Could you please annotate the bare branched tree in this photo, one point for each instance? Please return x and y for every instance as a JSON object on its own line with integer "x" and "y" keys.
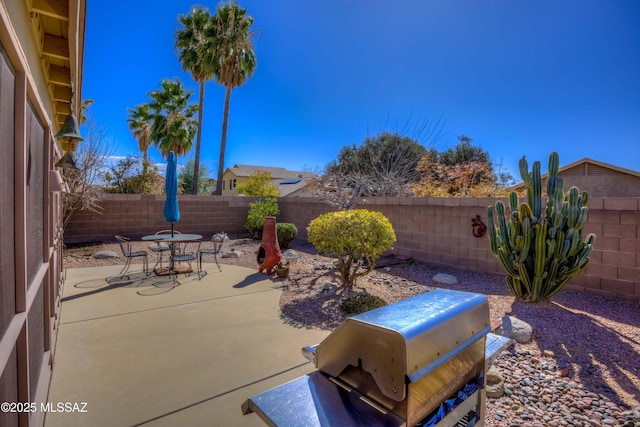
{"x": 85, "y": 184}
{"x": 384, "y": 165}
{"x": 424, "y": 130}
{"x": 342, "y": 190}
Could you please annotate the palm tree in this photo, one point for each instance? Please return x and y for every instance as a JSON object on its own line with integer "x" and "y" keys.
{"x": 236, "y": 61}
{"x": 140, "y": 121}
{"x": 195, "y": 43}
{"x": 173, "y": 126}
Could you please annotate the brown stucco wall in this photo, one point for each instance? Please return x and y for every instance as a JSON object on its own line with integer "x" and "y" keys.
{"x": 437, "y": 230}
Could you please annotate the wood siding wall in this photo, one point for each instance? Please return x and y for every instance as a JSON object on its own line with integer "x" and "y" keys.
{"x": 30, "y": 226}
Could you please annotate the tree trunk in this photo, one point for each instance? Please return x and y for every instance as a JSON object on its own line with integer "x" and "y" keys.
{"x": 196, "y": 162}
{"x": 223, "y": 139}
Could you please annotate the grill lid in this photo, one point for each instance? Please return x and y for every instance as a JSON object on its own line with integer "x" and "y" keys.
{"x": 405, "y": 341}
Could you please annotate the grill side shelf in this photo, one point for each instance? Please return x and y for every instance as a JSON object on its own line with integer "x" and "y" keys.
{"x": 494, "y": 346}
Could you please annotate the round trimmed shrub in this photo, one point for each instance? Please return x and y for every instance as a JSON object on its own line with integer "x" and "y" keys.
{"x": 358, "y": 304}
{"x": 286, "y": 233}
{"x": 258, "y": 211}
{"x": 356, "y": 238}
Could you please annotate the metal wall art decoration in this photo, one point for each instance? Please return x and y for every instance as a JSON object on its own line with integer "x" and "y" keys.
{"x": 478, "y": 226}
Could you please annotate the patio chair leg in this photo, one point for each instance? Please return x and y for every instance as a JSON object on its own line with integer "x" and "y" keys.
{"x": 126, "y": 267}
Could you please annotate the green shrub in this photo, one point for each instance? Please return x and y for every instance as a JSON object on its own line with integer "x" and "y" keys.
{"x": 258, "y": 211}
{"x": 286, "y": 233}
{"x": 356, "y": 237}
{"x": 361, "y": 303}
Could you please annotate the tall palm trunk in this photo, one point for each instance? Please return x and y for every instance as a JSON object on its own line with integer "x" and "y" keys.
{"x": 223, "y": 139}
{"x": 196, "y": 162}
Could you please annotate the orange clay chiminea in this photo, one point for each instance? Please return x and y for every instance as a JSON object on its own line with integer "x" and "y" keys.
{"x": 269, "y": 251}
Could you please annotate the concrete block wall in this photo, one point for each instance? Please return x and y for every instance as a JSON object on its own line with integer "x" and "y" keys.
{"x": 137, "y": 215}
{"x": 436, "y": 230}
{"x": 614, "y": 268}
{"x": 439, "y": 230}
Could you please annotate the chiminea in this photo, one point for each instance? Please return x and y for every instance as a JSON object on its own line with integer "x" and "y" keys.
{"x": 269, "y": 251}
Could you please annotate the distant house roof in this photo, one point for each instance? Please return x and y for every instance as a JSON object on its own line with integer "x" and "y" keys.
{"x": 586, "y": 161}
{"x": 276, "y": 173}
{"x": 599, "y": 178}
{"x": 285, "y": 180}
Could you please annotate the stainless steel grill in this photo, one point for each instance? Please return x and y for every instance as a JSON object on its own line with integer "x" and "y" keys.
{"x": 392, "y": 366}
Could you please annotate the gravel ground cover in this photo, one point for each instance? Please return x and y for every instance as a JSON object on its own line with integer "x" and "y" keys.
{"x": 582, "y": 367}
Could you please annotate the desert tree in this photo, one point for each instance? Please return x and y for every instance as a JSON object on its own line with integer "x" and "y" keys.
{"x": 259, "y": 184}
{"x": 462, "y": 171}
{"x": 383, "y": 165}
{"x": 84, "y": 185}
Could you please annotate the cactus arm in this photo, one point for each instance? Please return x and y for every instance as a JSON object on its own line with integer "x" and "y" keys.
{"x": 523, "y": 165}
{"x": 536, "y": 196}
{"x": 526, "y": 240}
{"x": 524, "y": 278}
{"x": 513, "y": 285}
{"x": 540, "y": 248}
{"x": 502, "y": 224}
{"x": 554, "y": 163}
{"x": 507, "y": 263}
{"x": 513, "y": 201}
{"x": 492, "y": 231}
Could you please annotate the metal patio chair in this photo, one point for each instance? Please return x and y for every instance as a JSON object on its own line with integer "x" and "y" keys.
{"x": 216, "y": 246}
{"x": 160, "y": 247}
{"x": 125, "y": 246}
{"x": 183, "y": 252}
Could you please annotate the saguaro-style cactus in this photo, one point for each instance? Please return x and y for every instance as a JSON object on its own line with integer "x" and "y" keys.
{"x": 541, "y": 250}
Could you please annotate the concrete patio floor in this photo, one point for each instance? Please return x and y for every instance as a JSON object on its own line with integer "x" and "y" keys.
{"x": 142, "y": 352}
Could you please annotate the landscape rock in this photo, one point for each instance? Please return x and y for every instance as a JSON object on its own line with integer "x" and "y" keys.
{"x": 517, "y": 329}
{"x": 105, "y": 255}
{"x": 158, "y": 246}
{"x": 232, "y": 254}
{"x": 445, "y": 279}
{"x": 328, "y": 288}
{"x": 290, "y": 254}
{"x": 495, "y": 383}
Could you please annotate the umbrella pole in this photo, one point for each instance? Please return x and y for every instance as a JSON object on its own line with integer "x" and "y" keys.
{"x": 171, "y": 229}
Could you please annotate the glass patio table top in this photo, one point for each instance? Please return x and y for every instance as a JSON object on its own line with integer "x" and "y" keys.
{"x": 169, "y": 238}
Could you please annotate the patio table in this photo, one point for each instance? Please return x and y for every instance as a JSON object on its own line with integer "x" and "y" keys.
{"x": 174, "y": 242}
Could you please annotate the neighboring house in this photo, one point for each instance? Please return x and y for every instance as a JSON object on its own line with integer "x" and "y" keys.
{"x": 598, "y": 179}
{"x": 41, "y": 57}
{"x": 286, "y": 181}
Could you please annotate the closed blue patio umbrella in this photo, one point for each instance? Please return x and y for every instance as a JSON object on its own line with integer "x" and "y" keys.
{"x": 171, "y": 208}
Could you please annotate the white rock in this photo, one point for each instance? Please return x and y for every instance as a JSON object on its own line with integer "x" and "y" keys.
{"x": 517, "y": 329}
{"x": 447, "y": 279}
{"x": 232, "y": 254}
{"x": 105, "y": 255}
{"x": 159, "y": 247}
{"x": 290, "y": 254}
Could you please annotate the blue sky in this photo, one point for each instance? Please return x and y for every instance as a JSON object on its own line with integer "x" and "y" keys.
{"x": 519, "y": 77}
